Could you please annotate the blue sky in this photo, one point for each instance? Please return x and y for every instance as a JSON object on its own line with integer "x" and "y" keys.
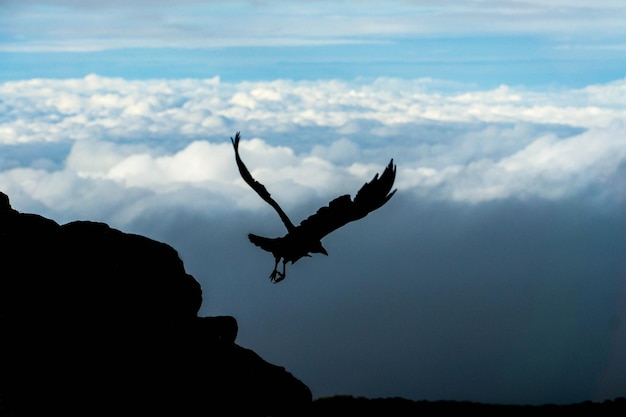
{"x": 496, "y": 273}
{"x": 513, "y": 42}
{"x": 483, "y": 60}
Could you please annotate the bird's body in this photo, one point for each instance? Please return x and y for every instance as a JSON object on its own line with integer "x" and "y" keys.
{"x": 304, "y": 239}
{"x": 290, "y": 247}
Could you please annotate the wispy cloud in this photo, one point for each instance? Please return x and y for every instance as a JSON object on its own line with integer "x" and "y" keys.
{"x": 84, "y": 26}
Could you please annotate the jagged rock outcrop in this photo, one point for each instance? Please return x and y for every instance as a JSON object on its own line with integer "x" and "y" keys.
{"x": 95, "y": 321}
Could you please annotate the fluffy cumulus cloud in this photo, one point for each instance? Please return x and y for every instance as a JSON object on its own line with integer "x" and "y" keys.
{"x": 310, "y": 139}
{"x": 495, "y": 271}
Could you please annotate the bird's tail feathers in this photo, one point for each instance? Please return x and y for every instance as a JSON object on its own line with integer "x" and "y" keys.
{"x": 262, "y": 242}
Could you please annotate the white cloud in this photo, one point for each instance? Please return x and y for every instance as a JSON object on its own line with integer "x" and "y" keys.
{"x": 548, "y": 167}
{"x": 93, "y": 107}
{"x": 88, "y": 26}
{"x": 308, "y": 140}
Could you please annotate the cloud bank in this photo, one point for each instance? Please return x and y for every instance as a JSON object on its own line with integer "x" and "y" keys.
{"x": 310, "y": 139}
{"x": 495, "y": 274}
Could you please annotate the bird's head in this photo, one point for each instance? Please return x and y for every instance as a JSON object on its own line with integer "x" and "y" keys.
{"x": 318, "y": 248}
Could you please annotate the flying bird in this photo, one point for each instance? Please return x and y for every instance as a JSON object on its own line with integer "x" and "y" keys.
{"x": 304, "y": 239}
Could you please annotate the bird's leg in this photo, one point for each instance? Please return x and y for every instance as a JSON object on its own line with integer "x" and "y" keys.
{"x": 278, "y": 276}
{"x": 281, "y": 276}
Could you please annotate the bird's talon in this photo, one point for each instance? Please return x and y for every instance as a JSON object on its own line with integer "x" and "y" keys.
{"x": 277, "y": 277}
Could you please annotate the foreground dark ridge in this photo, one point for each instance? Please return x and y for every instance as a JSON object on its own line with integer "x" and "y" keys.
{"x": 94, "y": 321}
{"x": 345, "y": 405}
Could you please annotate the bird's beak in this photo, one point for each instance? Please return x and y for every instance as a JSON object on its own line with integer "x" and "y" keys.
{"x": 322, "y": 250}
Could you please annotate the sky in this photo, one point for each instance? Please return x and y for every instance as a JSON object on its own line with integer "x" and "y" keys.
{"x": 496, "y": 273}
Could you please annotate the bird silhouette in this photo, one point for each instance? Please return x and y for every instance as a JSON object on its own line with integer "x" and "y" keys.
{"x": 304, "y": 239}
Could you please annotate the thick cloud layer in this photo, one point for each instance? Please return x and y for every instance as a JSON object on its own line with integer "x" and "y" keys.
{"x": 496, "y": 273}
{"x": 309, "y": 138}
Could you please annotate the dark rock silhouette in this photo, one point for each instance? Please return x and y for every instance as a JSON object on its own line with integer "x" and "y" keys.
{"x": 95, "y": 321}
{"x": 347, "y": 405}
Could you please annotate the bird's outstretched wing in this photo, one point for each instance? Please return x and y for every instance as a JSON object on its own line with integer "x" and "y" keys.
{"x": 343, "y": 209}
{"x": 257, "y": 186}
